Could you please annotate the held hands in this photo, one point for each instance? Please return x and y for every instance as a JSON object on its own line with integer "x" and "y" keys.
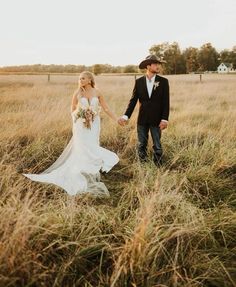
{"x": 122, "y": 122}
{"x": 163, "y": 125}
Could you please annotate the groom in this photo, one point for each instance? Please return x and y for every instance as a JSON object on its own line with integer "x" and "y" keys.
{"x": 152, "y": 92}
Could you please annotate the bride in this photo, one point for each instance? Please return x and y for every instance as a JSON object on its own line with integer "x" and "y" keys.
{"x": 77, "y": 168}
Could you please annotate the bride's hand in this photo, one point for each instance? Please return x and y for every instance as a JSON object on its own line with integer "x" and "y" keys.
{"x": 122, "y": 122}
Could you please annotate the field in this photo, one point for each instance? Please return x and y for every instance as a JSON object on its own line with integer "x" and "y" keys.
{"x": 172, "y": 226}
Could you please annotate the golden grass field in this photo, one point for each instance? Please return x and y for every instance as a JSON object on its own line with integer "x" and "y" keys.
{"x": 173, "y": 226}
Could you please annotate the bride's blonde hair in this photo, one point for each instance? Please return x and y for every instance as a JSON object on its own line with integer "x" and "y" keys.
{"x": 90, "y": 76}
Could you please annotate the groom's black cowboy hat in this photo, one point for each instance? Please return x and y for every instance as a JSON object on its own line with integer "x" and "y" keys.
{"x": 151, "y": 59}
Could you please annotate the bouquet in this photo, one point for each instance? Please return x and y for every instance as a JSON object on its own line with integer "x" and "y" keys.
{"x": 87, "y": 115}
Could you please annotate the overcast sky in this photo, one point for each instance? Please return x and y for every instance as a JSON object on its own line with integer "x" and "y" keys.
{"x": 107, "y": 31}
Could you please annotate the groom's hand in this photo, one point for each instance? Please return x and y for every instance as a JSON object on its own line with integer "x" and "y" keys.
{"x": 163, "y": 125}
{"x": 122, "y": 122}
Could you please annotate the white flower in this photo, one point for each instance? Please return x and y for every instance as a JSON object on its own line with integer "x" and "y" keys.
{"x": 156, "y": 84}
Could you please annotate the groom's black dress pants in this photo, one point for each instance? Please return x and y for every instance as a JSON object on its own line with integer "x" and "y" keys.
{"x": 143, "y": 131}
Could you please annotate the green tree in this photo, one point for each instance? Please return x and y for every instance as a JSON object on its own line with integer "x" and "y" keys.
{"x": 228, "y": 56}
{"x": 97, "y": 69}
{"x": 130, "y": 69}
{"x": 233, "y": 56}
{"x": 159, "y": 50}
{"x": 191, "y": 59}
{"x": 171, "y": 53}
{"x": 208, "y": 58}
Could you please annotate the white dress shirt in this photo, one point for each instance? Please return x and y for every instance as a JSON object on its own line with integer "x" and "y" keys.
{"x": 150, "y": 83}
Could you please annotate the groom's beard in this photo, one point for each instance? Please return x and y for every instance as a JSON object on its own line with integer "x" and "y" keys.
{"x": 155, "y": 71}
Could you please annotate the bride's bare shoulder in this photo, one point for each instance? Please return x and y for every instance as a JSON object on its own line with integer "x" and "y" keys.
{"x": 77, "y": 92}
{"x": 98, "y": 93}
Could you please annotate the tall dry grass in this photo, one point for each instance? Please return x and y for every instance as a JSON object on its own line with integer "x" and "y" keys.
{"x": 173, "y": 226}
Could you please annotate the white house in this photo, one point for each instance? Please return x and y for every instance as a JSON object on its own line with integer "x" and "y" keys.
{"x": 225, "y": 68}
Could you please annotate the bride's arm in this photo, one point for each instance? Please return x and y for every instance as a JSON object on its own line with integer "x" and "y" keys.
{"x": 74, "y": 101}
{"x": 105, "y": 107}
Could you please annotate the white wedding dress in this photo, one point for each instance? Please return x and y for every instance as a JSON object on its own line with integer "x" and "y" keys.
{"x": 77, "y": 168}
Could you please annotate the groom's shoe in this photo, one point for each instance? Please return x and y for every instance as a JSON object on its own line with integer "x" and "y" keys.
{"x": 158, "y": 161}
{"x": 143, "y": 160}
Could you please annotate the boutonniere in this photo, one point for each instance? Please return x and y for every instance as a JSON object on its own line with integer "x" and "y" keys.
{"x": 155, "y": 85}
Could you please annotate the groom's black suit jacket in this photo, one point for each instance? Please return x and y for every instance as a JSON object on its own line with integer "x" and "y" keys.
{"x": 154, "y": 109}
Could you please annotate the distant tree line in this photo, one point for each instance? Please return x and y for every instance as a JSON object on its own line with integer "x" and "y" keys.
{"x": 97, "y": 69}
{"x": 190, "y": 60}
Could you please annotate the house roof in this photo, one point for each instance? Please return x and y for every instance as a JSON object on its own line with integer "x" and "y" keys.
{"x": 228, "y": 65}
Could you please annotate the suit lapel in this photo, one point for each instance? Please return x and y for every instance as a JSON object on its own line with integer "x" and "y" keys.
{"x": 154, "y": 89}
{"x": 145, "y": 86}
